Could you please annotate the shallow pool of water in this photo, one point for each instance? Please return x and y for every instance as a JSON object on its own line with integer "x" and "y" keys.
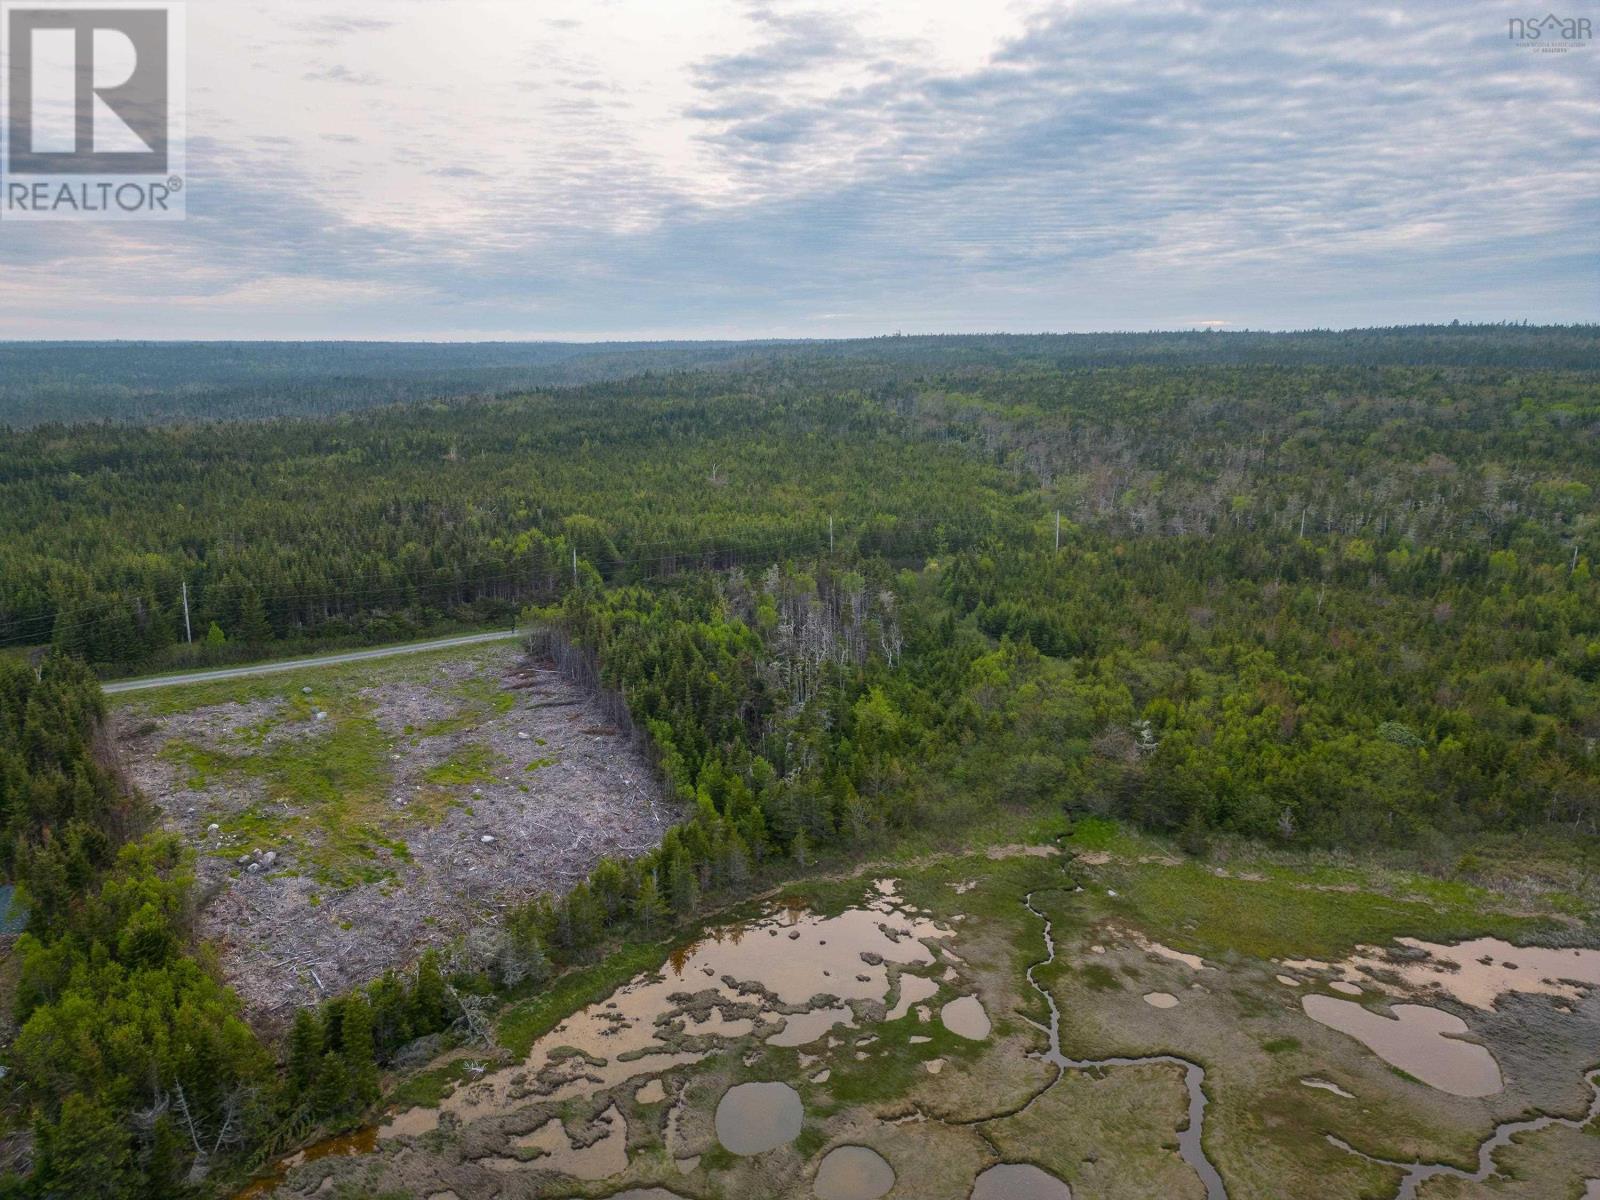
{"x": 964, "y": 1017}
{"x": 753, "y": 1118}
{"x": 414, "y": 1122}
{"x": 600, "y": 1159}
{"x": 1481, "y": 971}
{"x": 914, "y": 989}
{"x": 794, "y": 954}
{"x": 1018, "y": 1181}
{"x": 801, "y": 1029}
{"x": 853, "y": 1173}
{"x": 1424, "y": 1042}
{"x": 362, "y": 1141}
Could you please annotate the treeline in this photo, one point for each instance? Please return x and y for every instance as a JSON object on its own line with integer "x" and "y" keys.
{"x": 379, "y": 528}
{"x": 386, "y": 525}
{"x": 758, "y": 692}
{"x": 62, "y": 807}
{"x": 144, "y": 383}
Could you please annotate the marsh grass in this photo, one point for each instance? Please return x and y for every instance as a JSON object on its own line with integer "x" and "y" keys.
{"x": 1268, "y": 908}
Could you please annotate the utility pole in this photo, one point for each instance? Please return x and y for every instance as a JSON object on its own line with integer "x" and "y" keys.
{"x": 188, "y": 634}
{"x": 1058, "y": 531}
{"x": 830, "y": 535}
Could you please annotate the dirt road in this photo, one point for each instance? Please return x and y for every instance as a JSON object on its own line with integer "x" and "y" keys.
{"x": 295, "y": 664}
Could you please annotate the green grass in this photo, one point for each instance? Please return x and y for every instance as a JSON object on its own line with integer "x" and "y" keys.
{"x": 893, "y": 1065}
{"x": 715, "y": 1158}
{"x": 472, "y": 763}
{"x": 810, "y": 1141}
{"x": 1100, "y": 977}
{"x": 428, "y": 1088}
{"x": 482, "y": 698}
{"x": 1294, "y": 914}
{"x": 1101, "y": 834}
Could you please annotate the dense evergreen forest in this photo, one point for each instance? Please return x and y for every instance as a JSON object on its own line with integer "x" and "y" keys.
{"x": 1344, "y": 596}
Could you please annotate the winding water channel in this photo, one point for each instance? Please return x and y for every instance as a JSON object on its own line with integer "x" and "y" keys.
{"x": 1416, "y": 1174}
{"x": 1190, "y": 1146}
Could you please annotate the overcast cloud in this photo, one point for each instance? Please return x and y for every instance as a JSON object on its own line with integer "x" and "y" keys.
{"x": 423, "y": 168}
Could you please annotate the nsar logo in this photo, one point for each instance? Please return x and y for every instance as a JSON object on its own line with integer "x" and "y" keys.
{"x": 1550, "y": 34}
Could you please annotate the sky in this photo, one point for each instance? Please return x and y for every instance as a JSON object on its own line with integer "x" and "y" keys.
{"x": 596, "y": 169}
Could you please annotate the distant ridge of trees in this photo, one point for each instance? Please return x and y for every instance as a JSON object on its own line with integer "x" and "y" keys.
{"x": 153, "y": 383}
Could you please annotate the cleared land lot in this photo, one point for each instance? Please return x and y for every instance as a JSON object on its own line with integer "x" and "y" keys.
{"x": 344, "y": 818}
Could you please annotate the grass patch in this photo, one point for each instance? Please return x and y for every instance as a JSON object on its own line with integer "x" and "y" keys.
{"x": 482, "y": 698}
{"x": 469, "y": 764}
{"x": 1289, "y": 914}
{"x": 1100, "y": 977}
{"x": 893, "y": 1065}
{"x": 718, "y": 1158}
{"x": 427, "y": 1089}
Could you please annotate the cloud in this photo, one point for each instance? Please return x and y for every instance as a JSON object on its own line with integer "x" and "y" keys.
{"x": 333, "y": 24}
{"x": 834, "y": 171}
{"x": 789, "y": 43}
{"x": 339, "y": 73}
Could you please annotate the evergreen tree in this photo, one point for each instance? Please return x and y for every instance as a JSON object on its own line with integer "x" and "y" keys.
{"x": 85, "y": 1152}
{"x": 306, "y": 1045}
{"x": 358, "y": 1052}
{"x": 430, "y": 1002}
{"x": 648, "y": 909}
{"x": 253, "y": 630}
